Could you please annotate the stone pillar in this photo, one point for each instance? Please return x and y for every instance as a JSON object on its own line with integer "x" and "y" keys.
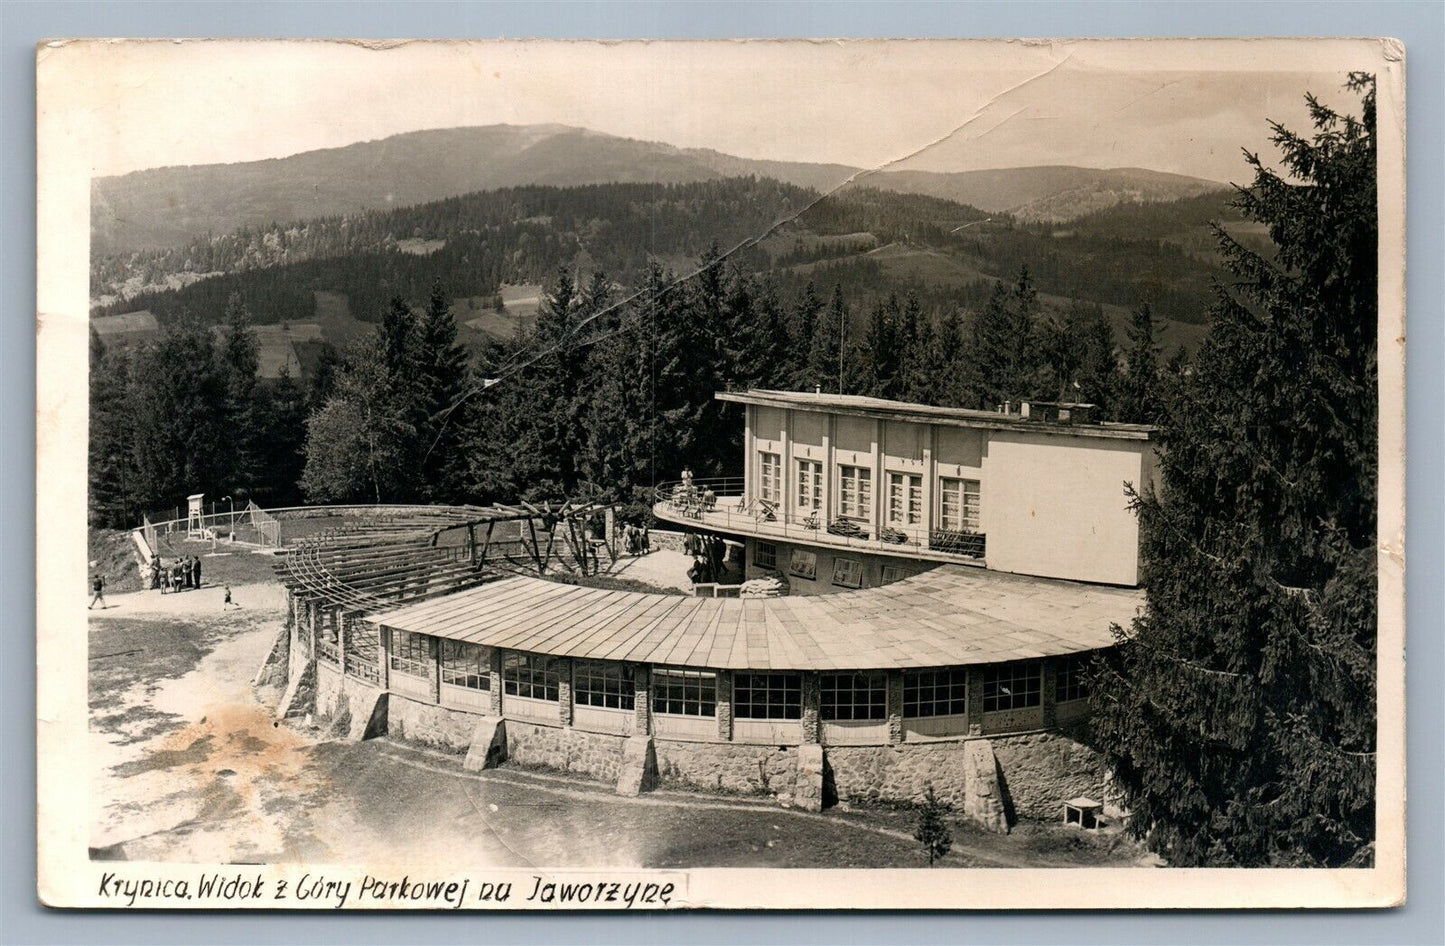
{"x": 641, "y": 700}
{"x": 812, "y": 700}
{"x": 383, "y": 656}
{"x": 894, "y": 704}
{"x": 725, "y": 705}
{"x": 1049, "y": 691}
{"x": 975, "y": 701}
{"x": 434, "y": 668}
{"x": 495, "y": 680}
{"x": 564, "y": 691}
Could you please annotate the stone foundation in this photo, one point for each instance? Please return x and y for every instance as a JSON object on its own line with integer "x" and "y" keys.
{"x": 1043, "y": 770}
{"x": 727, "y": 768}
{"x": 430, "y": 725}
{"x": 597, "y": 755}
{"x": 1038, "y": 772}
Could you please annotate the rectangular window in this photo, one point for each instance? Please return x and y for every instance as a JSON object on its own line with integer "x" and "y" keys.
{"x": 905, "y": 499}
{"x": 958, "y": 504}
{"x": 1071, "y": 683}
{"x": 532, "y": 676}
{"x": 892, "y": 573}
{"x": 1012, "y": 686}
{"x": 770, "y": 478}
{"x": 935, "y": 693}
{"x": 847, "y": 573}
{"x": 803, "y": 564}
{"x": 684, "y": 692}
{"x": 810, "y": 485}
{"x": 608, "y": 685}
{"x": 854, "y": 696}
{"x": 411, "y": 654}
{"x": 768, "y": 696}
{"x": 765, "y": 555}
{"x": 855, "y": 492}
{"x": 465, "y": 665}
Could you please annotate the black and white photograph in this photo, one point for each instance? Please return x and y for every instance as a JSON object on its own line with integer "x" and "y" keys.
{"x": 650, "y": 476}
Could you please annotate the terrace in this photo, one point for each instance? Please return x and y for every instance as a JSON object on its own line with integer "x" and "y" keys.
{"x": 722, "y": 506}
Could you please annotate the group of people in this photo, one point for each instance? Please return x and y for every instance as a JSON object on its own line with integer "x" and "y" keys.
{"x": 709, "y": 557}
{"x": 184, "y": 573}
{"x": 635, "y": 539}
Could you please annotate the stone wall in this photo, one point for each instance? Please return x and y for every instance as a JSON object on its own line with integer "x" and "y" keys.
{"x": 900, "y": 773}
{"x": 338, "y": 697}
{"x": 596, "y": 755}
{"x": 1039, "y": 771}
{"x": 430, "y": 725}
{"x": 720, "y": 767}
{"x": 1042, "y": 770}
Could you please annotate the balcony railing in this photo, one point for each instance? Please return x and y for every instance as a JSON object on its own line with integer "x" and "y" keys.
{"x": 721, "y": 504}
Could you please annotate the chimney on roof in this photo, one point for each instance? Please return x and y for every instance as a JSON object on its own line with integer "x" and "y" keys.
{"x": 818, "y": 389}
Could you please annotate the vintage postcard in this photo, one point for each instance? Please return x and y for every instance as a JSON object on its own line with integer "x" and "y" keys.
{"x": 661, "y": 475}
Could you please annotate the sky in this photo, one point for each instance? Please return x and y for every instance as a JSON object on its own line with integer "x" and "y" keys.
{"x": 1170, "y": 106}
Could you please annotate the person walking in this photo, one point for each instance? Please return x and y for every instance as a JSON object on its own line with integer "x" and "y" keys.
{"x": 97, "y": 587}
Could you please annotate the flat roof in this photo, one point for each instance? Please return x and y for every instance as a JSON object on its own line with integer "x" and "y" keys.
{"x": 877, "y": 407}
{"x": 949, "y": 616}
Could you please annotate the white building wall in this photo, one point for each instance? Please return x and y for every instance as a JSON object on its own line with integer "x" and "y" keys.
{"x": 1054, "y": 506}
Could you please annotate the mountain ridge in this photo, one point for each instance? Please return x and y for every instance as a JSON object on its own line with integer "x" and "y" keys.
{"x": 168, "y": 206}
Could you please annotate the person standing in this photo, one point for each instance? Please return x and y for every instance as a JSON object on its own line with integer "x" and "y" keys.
{"x": 198, "y": 571}
{"x": 97, "y": 587}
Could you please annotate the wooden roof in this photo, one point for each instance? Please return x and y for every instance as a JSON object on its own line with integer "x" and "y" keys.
{"x": 952, "y": 615}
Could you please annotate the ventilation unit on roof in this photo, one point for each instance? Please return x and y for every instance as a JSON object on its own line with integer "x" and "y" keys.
{"x": 1057, "y": 412}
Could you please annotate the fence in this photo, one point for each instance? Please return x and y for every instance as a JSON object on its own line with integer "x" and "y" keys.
{"x": 721, "y": 504}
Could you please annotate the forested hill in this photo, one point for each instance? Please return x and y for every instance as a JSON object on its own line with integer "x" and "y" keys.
{"x": 169, "y": 207}
{"x": 870, "y": 241}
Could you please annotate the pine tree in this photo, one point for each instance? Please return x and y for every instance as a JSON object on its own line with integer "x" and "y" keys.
{"x": 932, "y": 832}
{"x": 1238, "y": 714}
{"x": 1098, "y": 375}
{"x": 177, "y": 402}
{"x": 804, "y": 335}
{"x": 239, "y": 358}
{"x": 827, "y": 362}
{"x": 110, "y": 502}
{"x": 441, "y": 419}
{"x": 1139, "y": 389}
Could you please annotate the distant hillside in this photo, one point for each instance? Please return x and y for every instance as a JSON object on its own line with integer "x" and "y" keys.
{"x": 1047, "y": 194}
{"x": 168, "y": 207}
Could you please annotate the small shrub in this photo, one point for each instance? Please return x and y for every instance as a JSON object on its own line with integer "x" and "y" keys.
{"x": 932, "y": 832}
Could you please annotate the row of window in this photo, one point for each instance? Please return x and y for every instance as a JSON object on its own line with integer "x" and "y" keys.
{"x": 958, "y": 498}
{"x": 843, "y": 696}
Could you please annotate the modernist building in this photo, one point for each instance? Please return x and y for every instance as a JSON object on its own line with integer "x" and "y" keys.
{"x": 903, "y": 657}
{"x": 844, "y": 492}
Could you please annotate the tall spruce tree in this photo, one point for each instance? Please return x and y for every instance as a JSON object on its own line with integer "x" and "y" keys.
{"x": 441, "y": 420}
{"x": 1238, "y": 713}
{"x": 1139, "y": 388}
{"x": 110, "y": 462}
{"x": 239, "y": 355}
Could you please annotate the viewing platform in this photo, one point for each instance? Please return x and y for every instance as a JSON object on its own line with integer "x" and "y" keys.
{"x": 721, "y": 505}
